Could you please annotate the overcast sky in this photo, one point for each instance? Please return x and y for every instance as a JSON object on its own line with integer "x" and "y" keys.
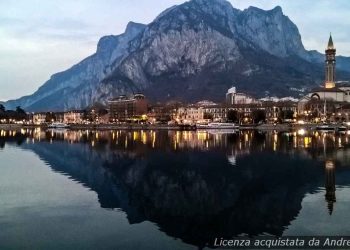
{"x": 39, "y": 37}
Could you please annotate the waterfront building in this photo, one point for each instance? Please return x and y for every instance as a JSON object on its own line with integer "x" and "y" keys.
{"x": 190, "y": 115}
{"x": 127, "y": 109}
{"x": 159, "y": 113}
{"x": 73, "y": 117}
{"x": 46, "y": 117}
{"x": 39, "y": 118}
{"x": 332, "y": 93}
{"x": 245, "y": 112}
{"x": 59, "y": 117}
{"x": 202, "y": 112}
{"x": 280, "y": 111}
{"x": 216, "y": 113}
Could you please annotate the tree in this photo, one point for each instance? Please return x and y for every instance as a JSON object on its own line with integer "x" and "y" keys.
{"x": 19, "y": 110}
{"x": 2, "y": 108}
{"x": 232, "y": 116}
{"x": 258, "y": 116}
{"x": 2, "y": 112}
{"x": 20, "y": 114}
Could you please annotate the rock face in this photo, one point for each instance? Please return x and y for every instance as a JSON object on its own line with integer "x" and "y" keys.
{"x": 189, "y": 52}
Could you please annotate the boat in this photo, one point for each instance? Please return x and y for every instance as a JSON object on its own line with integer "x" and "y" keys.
{"x": 58, "y": 125}
{"x": 325, "y": 127}
{"x": 218, "y": 125}
{"x": 342, "y": 128}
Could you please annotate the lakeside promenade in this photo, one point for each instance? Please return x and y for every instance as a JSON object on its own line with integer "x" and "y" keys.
{"x": 262, "y": 127}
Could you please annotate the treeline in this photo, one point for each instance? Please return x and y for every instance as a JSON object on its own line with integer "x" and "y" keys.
{"x": 7, "y": 116}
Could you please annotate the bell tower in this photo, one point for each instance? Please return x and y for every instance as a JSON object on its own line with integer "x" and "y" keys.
{"x": 330, "y": 64}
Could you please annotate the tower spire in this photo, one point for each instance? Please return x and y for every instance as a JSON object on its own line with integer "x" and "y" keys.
{"x": 330, "y": 42}
{"x": 330, "y": 64}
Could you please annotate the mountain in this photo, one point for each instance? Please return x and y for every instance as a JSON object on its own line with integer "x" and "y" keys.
{"x": 193, "y": 51}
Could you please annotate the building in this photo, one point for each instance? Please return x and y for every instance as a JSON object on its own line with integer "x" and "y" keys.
{"x": 331, "y": 92}
{"x": 190, "y": 115}
{"x": 280, "y": 111}
{"x": 216, "y": 113}
{"x": 232, "y": 97}
{"x": 160, "y": 114}
{"x": 124, "y": 109}
{"x": 59, "y": 116}
{"x": 39, "y": 118}
{"x": 73, "y": 117}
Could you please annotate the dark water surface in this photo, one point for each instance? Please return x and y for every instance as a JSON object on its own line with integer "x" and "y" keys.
{"x": 169, "y": 190}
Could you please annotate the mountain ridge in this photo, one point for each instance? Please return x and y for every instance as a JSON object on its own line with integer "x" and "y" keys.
{"x": 189, "y": 52}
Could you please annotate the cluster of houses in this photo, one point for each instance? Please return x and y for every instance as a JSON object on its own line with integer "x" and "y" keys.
{"x": 239, "y": 108}
{"x": 330, "y": 103}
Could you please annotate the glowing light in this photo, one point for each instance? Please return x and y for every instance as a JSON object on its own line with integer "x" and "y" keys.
{"x": 329, "y": 164}
{"x": 301, "y": 132}
{"x": 307, "y": 142}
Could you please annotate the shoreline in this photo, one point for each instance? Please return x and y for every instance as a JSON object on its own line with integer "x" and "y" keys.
{"x": 263, "y": 127}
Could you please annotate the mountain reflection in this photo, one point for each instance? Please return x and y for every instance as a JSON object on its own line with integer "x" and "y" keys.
{"x": 197, "y": 186}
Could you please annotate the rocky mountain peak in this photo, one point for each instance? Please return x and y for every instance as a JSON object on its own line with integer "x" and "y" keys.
{"x": 271, "y": 30}
{"x": 133, "y": 27}
{"x": 214, "y": 7}
{"x": 190, "y": 52}
{"x": 108, "y": 43}
{"x": 277, "y": 9}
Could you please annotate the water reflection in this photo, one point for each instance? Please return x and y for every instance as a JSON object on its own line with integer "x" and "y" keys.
{"x": 197, "y": 186}
{"x": 330, "y": 185}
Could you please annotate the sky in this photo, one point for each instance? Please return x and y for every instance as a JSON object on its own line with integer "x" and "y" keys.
{"x": 41, "y": 37}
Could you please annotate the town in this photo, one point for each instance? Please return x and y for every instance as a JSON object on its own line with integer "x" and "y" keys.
{"x": 329, "y": 104}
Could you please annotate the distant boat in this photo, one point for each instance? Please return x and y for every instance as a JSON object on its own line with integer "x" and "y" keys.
{"x": 218, "y": 125}
{"x": 58, "y": 125}
{"x": 325, "y": 127}
{"x": 342, "y": 128}
{"x": 332, "y": 127}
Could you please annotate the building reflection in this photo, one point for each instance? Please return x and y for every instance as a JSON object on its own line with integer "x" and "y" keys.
{"x": 330, "y": 185}
{"x": 184, "y": 182}
{"x": 308, "y": 143}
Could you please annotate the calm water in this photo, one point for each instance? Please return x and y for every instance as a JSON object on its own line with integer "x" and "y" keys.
{"x": 169, "y": 190}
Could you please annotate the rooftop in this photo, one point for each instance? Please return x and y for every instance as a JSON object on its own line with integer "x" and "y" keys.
{"x": 322, "y": 89}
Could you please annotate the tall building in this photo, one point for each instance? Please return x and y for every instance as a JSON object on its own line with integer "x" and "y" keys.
{"x": 233, "y": 97}
{"x": 323, "y": 100}
{"x": 124, "y": 109}
{"x": 330, "y": 64}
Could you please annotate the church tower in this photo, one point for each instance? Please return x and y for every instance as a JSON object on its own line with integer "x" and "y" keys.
{"x": 330, "y": 64}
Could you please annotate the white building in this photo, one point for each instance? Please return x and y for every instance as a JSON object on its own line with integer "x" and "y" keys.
{"x": 73, "y": 117}
{"x": 39, "y": 118}
{"x": 232, "y": 97}
{"x": 331, "y": 91}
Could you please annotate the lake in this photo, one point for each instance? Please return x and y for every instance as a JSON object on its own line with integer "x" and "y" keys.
{"x": 169, "y": 189}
